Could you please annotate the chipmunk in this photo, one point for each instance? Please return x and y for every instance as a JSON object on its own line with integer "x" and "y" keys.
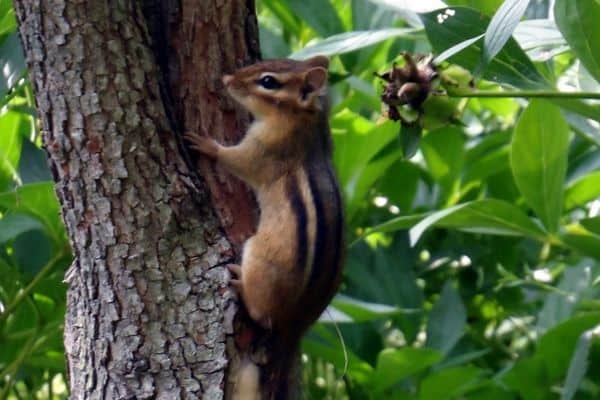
{"x": 291, "y": 268}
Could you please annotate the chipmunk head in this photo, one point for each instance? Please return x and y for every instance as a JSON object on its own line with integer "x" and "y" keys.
{"x": 280, "y": 85}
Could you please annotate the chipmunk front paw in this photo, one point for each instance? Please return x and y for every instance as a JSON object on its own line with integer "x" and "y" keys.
{"x": 204, "y": 145}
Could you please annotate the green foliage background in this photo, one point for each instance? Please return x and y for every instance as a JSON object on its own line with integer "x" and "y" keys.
{"x": 472, "y": 268}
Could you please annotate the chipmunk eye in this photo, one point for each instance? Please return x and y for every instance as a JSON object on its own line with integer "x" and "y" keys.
{"x": 269, "y": 82}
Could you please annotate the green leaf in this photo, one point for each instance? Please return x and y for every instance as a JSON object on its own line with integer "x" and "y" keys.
{"x": 447, "y": 320}
{"x": 501, "y": 27}
{"x": 486, "y": 145}
{"x": 361, "y": 311}
{"x": 272, "y": 43}
{"x": 358, "y": 144}
{"x": 36, "y": 199}
{"x": 10, "y": 147}
{"x": 583, "y": 127}
{"x": 367, "y": 15}
{"x": 12, "y": 63}
{"x": 369, "y": 175}
{"x": 591, "y": 224}
{"x": 457, "y": 48}
{"x": 397, "y": 224}
{"x": 450, "y": 26}
{"x": 580, "y": 107}
{"x": 33, "y": 166}
{"x": 8, "y": 22}
{"x": 487, "y": 7}
{"x": 351, "y": 41}
{"x": 393, "y": 365}
{"x": 284, "y": 14}
{"x": 12, "y": 225}
{"x": 559, "y": 306}
{"x": 32, "y": 250}
{"x": 528, "y": 378}
{"x": 532, "y": 376}
{"x": 540, "y": 38}
{"x": 461, "y": 358}
{"x": 443, "y": 150}
{"x": 539, "y": 160}
{"x": 583, "y": 241}
{"x": 490, "y": 216}
{"x": 579, "y": 363}
{"x": 50, "y": 360}
{"x": 578, "y": 22}
{"x": 319, "y": 14}
{"x": 410, "y": 137}
{"x": 448, "y": 383}
{"x": 582, "y": 191}
{"x": 490, "y": 390}
{"x": 411, "y": 5}
{"x": 556, "y": 347}
{"x": 387, "y": 277}
{"x": 322, "y": 344}
{"x": 399, "y": 184}
{"x": 491, "y": 164}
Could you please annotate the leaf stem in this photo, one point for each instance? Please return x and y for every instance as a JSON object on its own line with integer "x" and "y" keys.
{"x": 549, "y": 94}
{"x": 11, "y": 370}
{"x": 22, "y": 295}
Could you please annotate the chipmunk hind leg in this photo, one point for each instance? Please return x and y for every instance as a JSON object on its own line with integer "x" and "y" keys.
{"x": 247, "y": 385}
{"x": 265, "y": 285}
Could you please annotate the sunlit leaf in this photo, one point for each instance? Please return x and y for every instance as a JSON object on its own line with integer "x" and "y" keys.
{"x": 457, "y": 48}
{"x": 582, "y": 190}
{"x": 10, "y": 147}
{"x": 501, "y": 27}
{"x": 492, "y": 217}
{"x": 351, "y": 41}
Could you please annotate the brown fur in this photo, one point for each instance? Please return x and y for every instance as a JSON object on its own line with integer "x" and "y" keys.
{"x": 291, "y": 267}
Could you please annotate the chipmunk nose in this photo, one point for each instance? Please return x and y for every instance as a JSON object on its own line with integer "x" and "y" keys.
{"x": 226, "y": 79}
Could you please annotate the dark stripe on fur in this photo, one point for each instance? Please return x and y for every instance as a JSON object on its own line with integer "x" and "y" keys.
{"x": 299, "y": 210}
{"x": 325, "y": 274}
{"x": 339, "y": 228}
{"x": 321, "y": 236}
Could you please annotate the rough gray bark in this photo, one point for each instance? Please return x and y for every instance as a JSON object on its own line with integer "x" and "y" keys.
{"x": 149, "y": 310}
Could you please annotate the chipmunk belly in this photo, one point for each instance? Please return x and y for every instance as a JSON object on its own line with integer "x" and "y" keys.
{"x": 278, "y": 258}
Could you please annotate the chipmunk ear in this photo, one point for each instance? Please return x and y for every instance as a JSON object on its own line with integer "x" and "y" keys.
{"x": 318, "y": 61}
{"x": 315, "y": 79}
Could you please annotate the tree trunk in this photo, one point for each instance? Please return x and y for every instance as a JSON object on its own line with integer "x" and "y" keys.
{"x": 149, "y": 310}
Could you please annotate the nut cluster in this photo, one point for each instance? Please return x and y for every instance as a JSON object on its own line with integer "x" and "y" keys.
{"x": 409, "y": 85}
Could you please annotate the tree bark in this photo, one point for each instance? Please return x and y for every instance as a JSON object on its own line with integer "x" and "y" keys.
{"x": 149, "y": 310}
